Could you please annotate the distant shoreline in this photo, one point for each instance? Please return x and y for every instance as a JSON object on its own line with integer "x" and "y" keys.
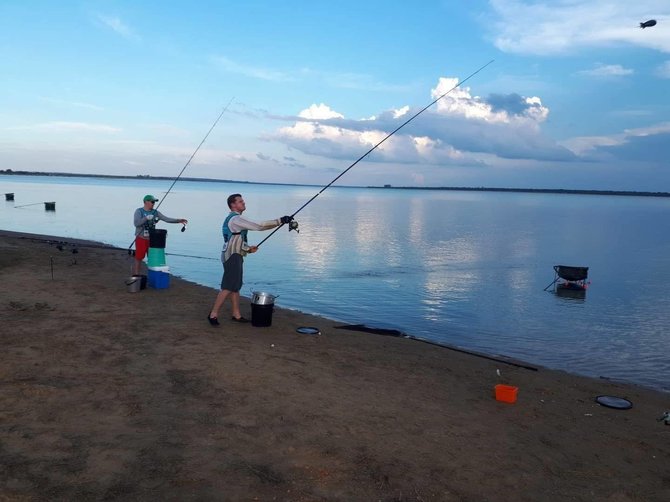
{"x": 634, "y": 193}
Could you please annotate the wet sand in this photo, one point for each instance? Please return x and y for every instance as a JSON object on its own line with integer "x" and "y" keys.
{"x": 111, "y": 395}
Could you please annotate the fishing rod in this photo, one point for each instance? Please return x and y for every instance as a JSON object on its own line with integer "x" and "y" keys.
{"x": 196, "y": 151}
{"x": 188, "y": 162}
{"x": 294, "y": 226}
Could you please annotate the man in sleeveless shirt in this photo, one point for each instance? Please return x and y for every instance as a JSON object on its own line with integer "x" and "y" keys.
{"x": 235, "y": 247}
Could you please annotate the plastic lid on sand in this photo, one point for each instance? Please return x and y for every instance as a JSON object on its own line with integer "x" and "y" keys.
{"x": 308, "y": 330}
{"x": 618, "y": 403}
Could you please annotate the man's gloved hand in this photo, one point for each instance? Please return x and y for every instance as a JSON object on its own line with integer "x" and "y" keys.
{"x": 286, "y": 219}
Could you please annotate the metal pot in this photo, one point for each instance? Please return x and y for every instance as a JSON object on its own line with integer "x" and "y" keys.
{"x": 262, "y": 298}
{"x": 134, "y": 284}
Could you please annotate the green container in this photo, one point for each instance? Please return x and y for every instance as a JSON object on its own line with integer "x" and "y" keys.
{"x": 156, "y": 257}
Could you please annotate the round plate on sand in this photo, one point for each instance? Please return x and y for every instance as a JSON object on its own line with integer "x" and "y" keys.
{"x": 618, "y": 403}
{"x": 308, "y": 330}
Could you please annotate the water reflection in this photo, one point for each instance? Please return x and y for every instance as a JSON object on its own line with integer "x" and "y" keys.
{"x": 314, "y": 254}
{"x": 572, "y": 294}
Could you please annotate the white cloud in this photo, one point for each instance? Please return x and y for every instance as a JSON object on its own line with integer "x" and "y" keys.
{"x": 65, "y": 127}
{"x": 593, "y": 146}
{"x": 326, "y": 140}
{"x": 561, "y": 26}
{"x": 258, "y": 72}
{"x": 584, "y": 144}
{"x": 663, "y": 70}
{"x": 338, "y": 80}
{"x": 283, "y": 162}
{"x": 463, "y": 130}
{"x": 316, "y": 112}
{"x": 118, "y": 26}
{"x": 401, "y": 112}
{"x": 460, "y": 102}
{"x": 607, "y": 70}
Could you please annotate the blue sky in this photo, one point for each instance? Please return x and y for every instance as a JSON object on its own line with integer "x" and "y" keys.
{"x": 577, "y": 97}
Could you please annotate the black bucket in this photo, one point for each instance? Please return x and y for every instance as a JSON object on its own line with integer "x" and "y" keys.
{"x": 49, "y": 206}
{"x": 261, "y": 315}
{"x": 157, "y": 238}
{"x": 9, "y": 196}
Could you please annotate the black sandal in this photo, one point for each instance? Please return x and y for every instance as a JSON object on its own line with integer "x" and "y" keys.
{"x": 213, "y": 320}
{"x": 239, "y": 319}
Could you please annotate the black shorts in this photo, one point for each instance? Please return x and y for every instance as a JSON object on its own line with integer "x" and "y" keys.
{"x": 232, "y": 273}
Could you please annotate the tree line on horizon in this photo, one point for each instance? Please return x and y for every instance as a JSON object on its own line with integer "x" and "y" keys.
{"x": 386, "y": 187}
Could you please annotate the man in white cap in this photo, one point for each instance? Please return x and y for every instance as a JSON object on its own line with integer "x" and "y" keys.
{"x": 145, "y": 219}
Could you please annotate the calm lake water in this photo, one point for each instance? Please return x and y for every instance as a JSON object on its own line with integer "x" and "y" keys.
{"x": 463, "y": 268}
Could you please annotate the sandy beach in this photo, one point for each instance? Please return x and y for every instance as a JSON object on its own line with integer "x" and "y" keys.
{"x": 112, "y": 395}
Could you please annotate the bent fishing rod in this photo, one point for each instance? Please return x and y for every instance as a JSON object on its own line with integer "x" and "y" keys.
{"x": 294, "y": 226}
{"x": 189, "y": 161}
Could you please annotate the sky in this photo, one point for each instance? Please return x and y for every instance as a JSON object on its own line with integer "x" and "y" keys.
{"x": 576, "y": 95}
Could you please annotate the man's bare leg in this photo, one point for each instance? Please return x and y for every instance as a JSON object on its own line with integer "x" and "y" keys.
{"x": 218, "y": 303}
{"x": 137, "y": 266}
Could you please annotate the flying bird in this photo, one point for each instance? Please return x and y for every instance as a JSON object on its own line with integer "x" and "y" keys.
{"x": 648, "y": 24}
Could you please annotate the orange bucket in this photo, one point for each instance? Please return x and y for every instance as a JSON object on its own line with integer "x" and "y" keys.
{"x": 506, "y": 393}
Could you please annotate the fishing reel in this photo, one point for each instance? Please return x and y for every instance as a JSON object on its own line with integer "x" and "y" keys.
{"x": 293, "y": 225}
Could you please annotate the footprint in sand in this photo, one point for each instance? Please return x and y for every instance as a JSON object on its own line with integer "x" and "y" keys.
{"x": 18, "y": 306}
{"x": 24, "y": 306}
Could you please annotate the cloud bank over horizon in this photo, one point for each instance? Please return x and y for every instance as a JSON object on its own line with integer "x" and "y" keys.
{"x": 461, "y": 130}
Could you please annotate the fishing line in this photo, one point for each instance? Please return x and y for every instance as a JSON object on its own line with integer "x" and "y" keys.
{"x": 26, "y": 205}
{"x": 376, "y": 146}
{"x": 61, "y": 245}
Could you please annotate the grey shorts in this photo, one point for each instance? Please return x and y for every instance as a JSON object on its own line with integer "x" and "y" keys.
{"x": 232, "y": 273}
